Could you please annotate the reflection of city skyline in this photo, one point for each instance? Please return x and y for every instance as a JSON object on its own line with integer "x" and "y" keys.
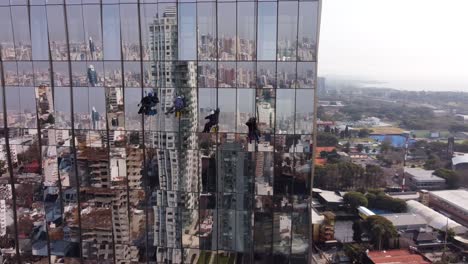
{"x": 94, "y": 181}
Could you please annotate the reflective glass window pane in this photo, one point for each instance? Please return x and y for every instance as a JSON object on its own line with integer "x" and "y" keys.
{"x": 266, "y": 104}
{"x": 281, "y": 233}
{"x": 148, "y": 75}
{"x": 61, "y": 73}
{"x": 62, "y": 99}
{"x": 245, "y": 108}
{"x": 147, "y": 17}
{"x": 93, "y": 39}
{"x": 207, "y": 72}
{"x": 10, "y": 72}
{"x": 2, "y": 125}
{"x": 287, "y": 30}
{"x": 246, "y": 77}
{"x": 113, "y": 74}
{"x": 266, "y": 75}
{"x": 130, "y": 32}
{"x": 285, "y": 108}
{"x": 304, "y": 111}
{"x": 246, "y": 30}
{"x": 286, "y": 74}
{"x": 111, "y": 32}
{"x": 263, "y": 233}
{"x": 306, "y": 75}
{"x": 132, "y": 118}
{"x": 132, "y": 75}
{"x": 76, "y": 32}
{"x": 79, "y": 74}
{"x": 226, "y": 74}
{"x": 227, "y": 42}
{"x": 6, "y": 34}
{"x": 57, "y": 32}
{"x": 25, "y": 73}
{"x": 115, "y": 114}
{"x": 266, "y": 38}
{"x": 207, "y": 100}
{"x": 21, "y": 32}
{"x": 187, "y": 31}
{"x": 227, "y": 106}
{"x": 41, "y": 73}
{"x": 307, "y": 31}
{"x": 89, "y": 108}
{"x": 21, "y": 107}
{"x": 206, "y": 20}
{"x": 39, "y": 33}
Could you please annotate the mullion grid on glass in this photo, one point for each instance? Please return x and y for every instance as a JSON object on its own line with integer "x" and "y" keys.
{"x": 14, "y": 207}
{"x": 236, "y": 62}
{"x": 38, "y": 125}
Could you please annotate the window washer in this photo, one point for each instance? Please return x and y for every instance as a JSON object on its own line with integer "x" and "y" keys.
{"x": 179, "y": 104}
{"x": 254, "y": 132}
{"x": 213, "y": 120}
{"x": 148, "y": 104}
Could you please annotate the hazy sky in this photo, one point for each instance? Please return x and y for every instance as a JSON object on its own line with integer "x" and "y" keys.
{"x": 411, "y": 44}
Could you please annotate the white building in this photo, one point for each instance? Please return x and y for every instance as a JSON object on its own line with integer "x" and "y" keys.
{"x": 418, "y": 178}
{"x": 177, "y": 162}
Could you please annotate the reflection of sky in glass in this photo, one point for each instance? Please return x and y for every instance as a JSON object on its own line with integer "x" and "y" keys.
{"x": 226, "y": 18}
{"x": 287, "y": 20}
{"x": 129, "y": 17}
{"x": 86, "y": 98}
{"x": 111, "y": 28}
{"x": 187, "y": 30}
{"x": 266, "y": 49}
{"x": 246, "y": 20}
{"x": 62, "y": 99}
{"x": 5, "y": 24}
{"x": 20, "y": 23}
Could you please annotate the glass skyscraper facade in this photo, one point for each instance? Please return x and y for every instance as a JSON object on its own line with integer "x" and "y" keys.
{"x": 85, "y": 178}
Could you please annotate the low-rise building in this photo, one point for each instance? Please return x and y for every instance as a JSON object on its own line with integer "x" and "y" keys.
{"x": 406, "y": 222}
{"x": 418, "y": 178}
{"x": 452, "y": 202}
{"x": 330, "y": 199}
{"x": 461, "y": 117}
{"x": 435, "y": 219}
{"x": 460, "y": 166}
{"x": 405, "y": 196}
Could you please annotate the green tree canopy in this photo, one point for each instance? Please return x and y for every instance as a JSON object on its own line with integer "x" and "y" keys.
{"x": 380, "y": 230}
{"x": 364, "y": 132}
{"x": 326, "y": 140}
{"x": 379, "y": 200}
{"x": 355, "y": 199}
{"x": 452, "y": 179}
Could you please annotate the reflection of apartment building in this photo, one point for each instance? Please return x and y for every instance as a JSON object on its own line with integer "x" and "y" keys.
{"x": 234, "y": 180}
{"x": 44, "y": 102}
{"x": 125, "y": 252}
{"x": 3, "y": 152}
{"x": 177, "y": 165}
{"x": 93, "y": 167}
{"x": 134, "y": 168}
{"x": 3, "y": 217}
{"x": 115, "y": 107}
{"x": 96, "y": 224}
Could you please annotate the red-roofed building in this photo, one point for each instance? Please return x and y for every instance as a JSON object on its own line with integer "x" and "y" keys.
{"x": 319, "y": 160}
{"x": 398, "y": 256}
